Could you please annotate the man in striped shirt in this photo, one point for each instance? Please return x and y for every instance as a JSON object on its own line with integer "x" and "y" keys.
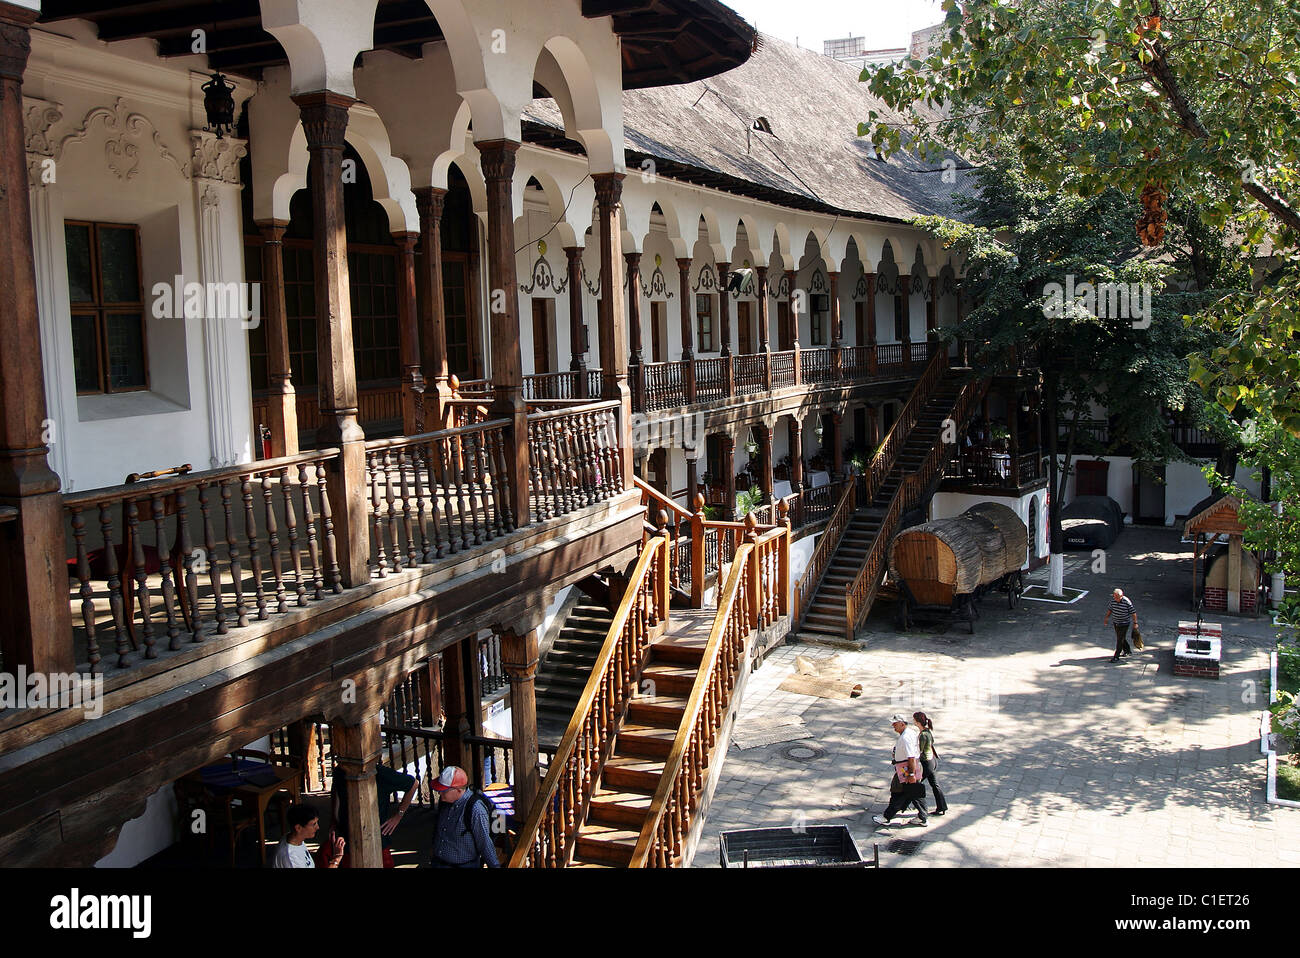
{"x": 1121, "y": 607}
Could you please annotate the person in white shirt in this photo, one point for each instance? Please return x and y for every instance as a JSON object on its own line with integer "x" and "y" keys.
{"x": 907, "y": 786}
{"x": 292, "y": 852}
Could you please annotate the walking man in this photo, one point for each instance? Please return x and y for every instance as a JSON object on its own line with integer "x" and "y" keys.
{"x": 907, "y": 786}
{"x": 1121, "y": 607}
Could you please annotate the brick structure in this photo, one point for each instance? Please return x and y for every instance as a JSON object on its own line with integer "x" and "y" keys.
{"x": 1198, "y": 651}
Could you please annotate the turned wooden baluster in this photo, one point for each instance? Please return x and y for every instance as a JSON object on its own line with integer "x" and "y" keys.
{"x": 376, "y": 522}
{"x": 419, "y": 486}
{"x": 210, "y": 558}
{"x": 442, "y": 449}
{"x": 291, "y": 529}
{"x": 477, "y": 490}
{"x": 457, "y": 450}
{"x": 437, "y": 548}
{"x": 87, "y": 593}
{"x": 191, "y": 583}
{"x": 273, "y": 543}
{"x": 492, "y": 456}
{"x": 254, "y": 560}
{"x": 165, "y": 571}
{"x": 232, "y": 546}
{"x": 408, "y": 525}
{"x": 309, "y": 521}
{"x": 535, "y": 482}
{"x": 390, "y": 513}
{"x": 114, "y": 583}
{"x": 141, "y": 579}
{"x": 335, "y": 576}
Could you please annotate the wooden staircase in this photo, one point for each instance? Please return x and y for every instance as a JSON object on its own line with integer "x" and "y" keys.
{"x": 563, "y": 674}
{"x": 623, "y": 796}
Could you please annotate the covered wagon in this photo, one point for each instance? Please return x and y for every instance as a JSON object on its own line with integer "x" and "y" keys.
{"x": 946, "y": 564}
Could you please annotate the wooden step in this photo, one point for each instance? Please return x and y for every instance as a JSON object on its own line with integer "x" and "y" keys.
{"x": 607, "y": 843}
{"x": 632, "y": 772}
{"x": 579, "y": 862}
{"x": 680, "y": 648}
{"x": 660, "y": 709}
{"x": 620, "y": 807}
{"x": 645, "y": 741}
{"x": 670, "y": 679}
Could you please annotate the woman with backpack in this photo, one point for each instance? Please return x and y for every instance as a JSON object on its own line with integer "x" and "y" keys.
{"x": 930, "y": 761}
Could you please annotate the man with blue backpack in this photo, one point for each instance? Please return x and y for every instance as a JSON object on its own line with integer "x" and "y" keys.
{"x": 462, "y": 833}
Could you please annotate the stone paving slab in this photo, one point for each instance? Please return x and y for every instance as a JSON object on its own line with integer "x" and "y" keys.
{"x": 1049, "y": 755}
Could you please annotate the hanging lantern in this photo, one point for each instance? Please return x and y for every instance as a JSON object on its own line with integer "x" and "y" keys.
{"x": 219, "y": 104}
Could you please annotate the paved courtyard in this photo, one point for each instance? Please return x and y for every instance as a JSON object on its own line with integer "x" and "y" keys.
{"x": 1049, "y": 756}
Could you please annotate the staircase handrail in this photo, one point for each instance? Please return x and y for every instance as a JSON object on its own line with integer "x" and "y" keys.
{"x": 860, "y": 595}
{"x": 650, "y": 494}
{"x": 668, "y": 821}
{"x": 882, "y": 463}
{"x": 550, "y": 832}
{"x": 820, "y": 561}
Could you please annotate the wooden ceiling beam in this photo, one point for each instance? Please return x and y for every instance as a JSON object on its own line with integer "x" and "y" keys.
{"x": 229, "y": 13}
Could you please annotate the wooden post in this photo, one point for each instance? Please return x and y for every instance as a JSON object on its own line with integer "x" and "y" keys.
{"x": 456, "y": 700}
{"x": 754, "y": 596}
{"x": 765, "y": 479}
{"x": 35, "y": 614}
{"x": 1013, "y": 441}
{"x": 837, "y": 354}
{"x": 837, "y": 445}
{"x": 692, "y": 477}
{"x": 903, "y": 304}
{"x": 413, "y": 417}
{"x": 609, "y": 190}
{"x": 724, "y": 313}
{"x": 634, "y": 306}
{"x": 429, "y": 200}
{"x": 519, "y": 659}
{"x": 355, "y": 747}
{"x": 764, "y": 342}
{"x": 688, "y": 330}
{"x": 498, "y": 161}
{"x": 871, "y": 324}
{"x": 429, "y": 681}
{"x": 324, "y": 121}
{"x": 729, "y": 468}
{"x": 577, "y": 327}
{"x": 796, "y": 465}
{"x": 302, "y": 743}
{"x": 697, "y": 552}
{"x": 282, "y": 403}
{"x": 794, "y": 325}
{"x": 1234, "y": 574}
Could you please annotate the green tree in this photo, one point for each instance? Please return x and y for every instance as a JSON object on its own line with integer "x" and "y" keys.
{"x": 1194, "y": 100}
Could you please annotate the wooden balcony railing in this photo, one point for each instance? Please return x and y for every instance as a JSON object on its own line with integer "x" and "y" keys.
{"x": 437, "y": 494}
{"x": 817, "y": 365}
{"x": 548, "y": 837}
{"x": 817, "y": 505}
{"x": 983, "y": 466}
{"x": 754, "y": 596}
{"x": 806, "y": 586}
{"x": 750, "y": 373}
{"x": 783, "y": 372}
{"x": 660, "y": 386}
{"x": 710, "y": 379}
{"x": 573, "y": 458}
{"x": 565, "y": 386}
{"x": 201, "y": 553}
{"x": 862, "y": 592}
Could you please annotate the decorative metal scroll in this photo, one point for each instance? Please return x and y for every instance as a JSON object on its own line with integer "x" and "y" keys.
{"x": 707, "y": 280}
{"x": 544, "y": 279}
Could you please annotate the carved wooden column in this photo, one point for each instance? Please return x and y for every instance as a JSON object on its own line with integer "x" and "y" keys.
{"x": 408, "y": 336}
{"x": 577, "y": 327}
{"x": 837, "y": 352}
{"x": 634, "y": 373}
{"x": 871, "y": 323}
{"x": 796, "y": 464}
{"x": 794, "y": 325}
{"x": 932, "y": 305}
{"x": 873, "y": 420}
{"x": 765, "y": 478}
{"x": 692, "y": 476}
{"x": 724, "y": 311}
{"x": 837, "y": 445}
{"x": 324, "y": 120}
{"x": 764, "y": 343}
{"x": 498, "y": 160}
{"x": 519, "y": 659}
{"x": 35, "y": 615}
{"x": 460, "y": 702}
{"x": 903, "y": 307}
{"x": 609, "y": 189}
{"x": 282, "y": 403}
{"x": 688, "y": 327}
{"x": 429, "y": 200}
{"x": 355, "y": 747}
{"x": 729, "y": 470}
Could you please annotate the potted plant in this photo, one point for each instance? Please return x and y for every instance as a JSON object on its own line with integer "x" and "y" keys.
{"x": 748, "y": 500}
{"x": 1000, "y": 435}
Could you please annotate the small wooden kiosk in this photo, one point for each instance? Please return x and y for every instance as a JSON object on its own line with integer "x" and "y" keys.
{"x": 1227, "y": 582}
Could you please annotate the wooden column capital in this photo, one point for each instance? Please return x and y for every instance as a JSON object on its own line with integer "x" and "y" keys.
{"x": 324, "y": 115}
{"x": 15, "y": 40}
{"x": 609, "y": 189}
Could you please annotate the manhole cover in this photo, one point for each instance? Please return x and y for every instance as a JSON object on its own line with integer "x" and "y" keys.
{"x": 903, "y": 846}
{"x": 802, "y": 752}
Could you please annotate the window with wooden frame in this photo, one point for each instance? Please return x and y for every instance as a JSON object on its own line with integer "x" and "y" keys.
{"x": 704, "y": 322}
{"x": 817, "y": 319}
{"x": 106, "y": 294}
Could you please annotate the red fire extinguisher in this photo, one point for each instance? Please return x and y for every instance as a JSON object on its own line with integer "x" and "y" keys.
{"x": 264, "y": 435}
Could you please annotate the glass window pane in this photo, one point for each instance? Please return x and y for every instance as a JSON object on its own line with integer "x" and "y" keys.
{"x": 85, "y": 355}
{"x": 81, "y": 284}
{"x": 118, "y": 269}
{"x": 125, "y": 335}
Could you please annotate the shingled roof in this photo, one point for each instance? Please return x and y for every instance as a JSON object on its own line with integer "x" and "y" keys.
{"x": 813, "y": 158}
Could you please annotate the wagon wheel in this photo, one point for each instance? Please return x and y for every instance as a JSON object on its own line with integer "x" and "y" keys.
{"x": 1014, "y": 587}
{"x": 972, "y": 613}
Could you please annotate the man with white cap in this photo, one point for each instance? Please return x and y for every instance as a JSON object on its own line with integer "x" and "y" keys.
{"x": 907, "y": 786}
{"x": 462, "y": 833}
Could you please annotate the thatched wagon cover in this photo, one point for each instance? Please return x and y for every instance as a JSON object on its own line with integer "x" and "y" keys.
{"x": 942, "y": 559}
